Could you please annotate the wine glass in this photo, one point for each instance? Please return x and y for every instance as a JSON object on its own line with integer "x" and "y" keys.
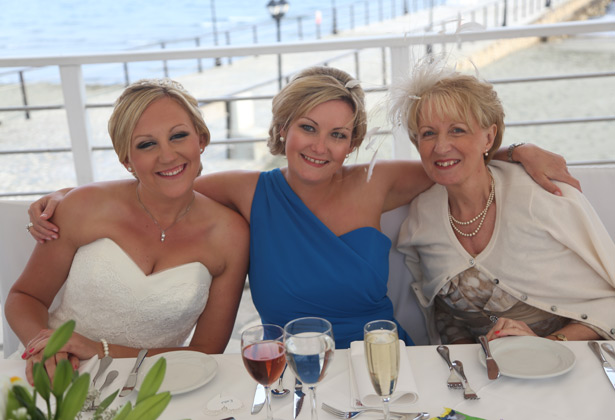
{"x": 382, "y": 356}
{"x": 262, "y": 351}
{"x": 309, "y": 351}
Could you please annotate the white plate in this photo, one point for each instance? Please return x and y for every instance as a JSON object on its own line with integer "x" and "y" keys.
{"x": 186, "y": 370}
{"x": 529, "y": 357}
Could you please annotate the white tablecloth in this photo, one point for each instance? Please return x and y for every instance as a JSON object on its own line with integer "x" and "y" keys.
{"x": 583, "y": 393}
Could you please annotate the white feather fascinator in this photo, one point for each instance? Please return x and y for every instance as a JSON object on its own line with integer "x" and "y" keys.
{"x": 405, "y": 93}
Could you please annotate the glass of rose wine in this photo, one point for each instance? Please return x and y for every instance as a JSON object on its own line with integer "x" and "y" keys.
{"x": 262, "y": 351}
{"x": 309, "y": 351}
{"x": 382, "y": 356}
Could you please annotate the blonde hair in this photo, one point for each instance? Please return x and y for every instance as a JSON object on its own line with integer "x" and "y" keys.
{"x": 449, "y": 94}
{"x": 136, "y": 98}
{"x": 310, "y": 88}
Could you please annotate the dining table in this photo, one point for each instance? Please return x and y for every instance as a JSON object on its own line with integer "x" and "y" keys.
{"x": 582, "y": 392}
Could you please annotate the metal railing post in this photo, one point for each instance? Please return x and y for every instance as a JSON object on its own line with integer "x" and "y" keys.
{"x": 73, "y": 89}
{"x": 126, "y": 77}
{"x": 199, "y": 62}
{"x": 165, "y": 67}
{"x": 24, "y": 97}
{"x": 300, "y": 27}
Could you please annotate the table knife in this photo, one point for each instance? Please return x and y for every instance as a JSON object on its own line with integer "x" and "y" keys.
{"x": 298, "y": 398}
{"x": 102, "y": 367}
{"x": 493, "y": 371}
{"x": 606, "y": 366}
{"x": 259, "y": 399}
{"x": 131, "y": 382}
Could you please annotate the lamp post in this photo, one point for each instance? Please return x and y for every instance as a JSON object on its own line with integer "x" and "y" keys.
{"x": 214, "y": 28}
{"x": 277, "y": 10}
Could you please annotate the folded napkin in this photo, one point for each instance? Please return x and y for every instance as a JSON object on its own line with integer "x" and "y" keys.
{"x": 362, "y": 393}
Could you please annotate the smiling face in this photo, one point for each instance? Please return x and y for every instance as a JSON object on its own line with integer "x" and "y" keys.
{"x": 452, "y": 149}
{"x": 165, "y": 148}
{"x": 317, "y": 143}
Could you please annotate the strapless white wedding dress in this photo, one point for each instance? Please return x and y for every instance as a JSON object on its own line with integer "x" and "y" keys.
{"x": 109, "y": 297}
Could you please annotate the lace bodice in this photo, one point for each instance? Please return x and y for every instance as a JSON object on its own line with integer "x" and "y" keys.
{"x": 109, "y": 297}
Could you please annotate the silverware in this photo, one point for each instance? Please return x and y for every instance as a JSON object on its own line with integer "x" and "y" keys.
{"x": 606, "y": 366}
{"x": 493, "y": 371}
{"x": 260, "y": 396}
{"x": 468, "y": 393}
{"x": 279, "y": 390}
{"x": 131, "y": 382}
{"x": 352, "y": 414}
{"x": 453, "y": 380}
{"x": 298, "y": 398}
{"x": 102, "y": 367}
{"x": 609, "y": 349}
{"x": 108, "y": 380}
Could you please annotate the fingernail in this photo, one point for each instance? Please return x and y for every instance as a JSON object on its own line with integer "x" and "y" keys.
{"x": 497, "y": 332}
{"x": 558, "y": 193}
{"x": 54, "y": 236}
{"x": 23, "y": 356}
{"x": 43, "y": 215}
{"x": 31, "y": 350}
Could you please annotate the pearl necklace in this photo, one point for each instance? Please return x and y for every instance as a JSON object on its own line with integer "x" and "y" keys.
{"x": 480, "y": 215}
{"x": 163, "y": 234}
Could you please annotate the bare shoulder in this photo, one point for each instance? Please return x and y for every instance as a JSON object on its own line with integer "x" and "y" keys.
{"x": 92, "y": 197}
{"x": 224, "y": 223}
{"x": 234, "y": 189}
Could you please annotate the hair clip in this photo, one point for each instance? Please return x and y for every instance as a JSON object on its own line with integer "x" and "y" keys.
{"x": 352, "y": 83}
{"x": 414, "y": 97}
{"x": 164, "y": 82}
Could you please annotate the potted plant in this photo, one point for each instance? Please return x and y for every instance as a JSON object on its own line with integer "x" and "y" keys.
{"x": 64, "y": 397}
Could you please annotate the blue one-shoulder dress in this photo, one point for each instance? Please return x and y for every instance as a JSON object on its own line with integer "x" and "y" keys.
{"x": 299, "y": 268}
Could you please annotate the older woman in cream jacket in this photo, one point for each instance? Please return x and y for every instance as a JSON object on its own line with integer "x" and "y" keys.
{"x": 491, "y": 252}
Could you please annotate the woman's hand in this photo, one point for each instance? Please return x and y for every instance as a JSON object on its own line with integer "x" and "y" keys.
{"x": 40, "y": 212}
{"x": 50, "y": 364}
{"x": 509, "y": 327}
{"x": 77, "y": 345}
{"x": 544, "y": 167}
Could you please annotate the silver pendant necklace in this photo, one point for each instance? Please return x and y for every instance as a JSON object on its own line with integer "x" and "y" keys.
{"x": 163, "y": 234}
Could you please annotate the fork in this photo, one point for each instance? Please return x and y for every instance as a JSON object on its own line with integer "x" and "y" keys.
{"x": 453, "y": 380}
{"x": 468, "y": 393}
{"x": 352, "y": 414}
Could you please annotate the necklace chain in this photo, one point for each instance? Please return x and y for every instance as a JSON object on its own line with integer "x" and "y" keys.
{"x": 163, "y": 234}
{"x": 482, "y": 215}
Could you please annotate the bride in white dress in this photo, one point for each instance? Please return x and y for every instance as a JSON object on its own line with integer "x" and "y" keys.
{"x": 141, "y": 262}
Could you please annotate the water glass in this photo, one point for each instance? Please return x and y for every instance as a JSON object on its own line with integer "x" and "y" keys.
{"x": 262, "y": 351}
{"x": 382, "y": 357}
{"x": 309, "y": 351}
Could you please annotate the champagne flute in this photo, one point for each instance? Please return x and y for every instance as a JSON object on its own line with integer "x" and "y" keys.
{"x": 262, "y": 351}
{"x": 382, "y": 356}
{"x": 309, "y": 350}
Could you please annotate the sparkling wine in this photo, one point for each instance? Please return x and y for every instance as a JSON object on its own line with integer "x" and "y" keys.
{"x": 264, "y": 361}
{"x": 309, "y": 355}
{"x": 382, "y": 355}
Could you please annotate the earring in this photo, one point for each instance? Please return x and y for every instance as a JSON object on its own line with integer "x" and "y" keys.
{"x": 202, "y": 150}
{"x": 486, "y": 153}
{"x": 129, "y": 168}
{"x": 282, "y": 139}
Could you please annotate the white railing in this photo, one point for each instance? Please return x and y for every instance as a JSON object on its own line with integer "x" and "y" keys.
{"x": 73, "y": 86}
